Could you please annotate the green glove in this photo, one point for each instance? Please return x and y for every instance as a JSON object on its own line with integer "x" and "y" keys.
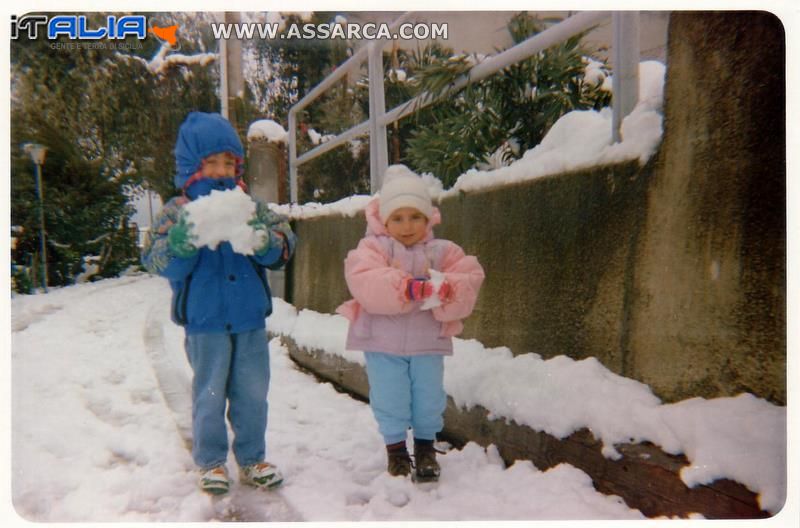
{"x": 180, "y": 238}
{"x": 271, "y": 239}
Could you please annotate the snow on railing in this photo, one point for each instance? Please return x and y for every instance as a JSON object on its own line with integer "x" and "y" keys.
{"x": 625, "y": 87}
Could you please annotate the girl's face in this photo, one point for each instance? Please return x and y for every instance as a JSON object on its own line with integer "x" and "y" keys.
{"x": 407, "y": 225}
{"x": 222, "y": 165}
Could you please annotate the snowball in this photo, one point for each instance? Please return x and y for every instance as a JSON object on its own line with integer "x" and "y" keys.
{"x": 437, "y": 279}
{"x": 222, "y": 216}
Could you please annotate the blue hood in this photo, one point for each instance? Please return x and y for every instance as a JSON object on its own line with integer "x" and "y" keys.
{"x": 202, "y": 135}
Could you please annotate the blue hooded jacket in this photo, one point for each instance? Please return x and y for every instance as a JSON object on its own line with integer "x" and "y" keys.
{"x": 214, "y": 291}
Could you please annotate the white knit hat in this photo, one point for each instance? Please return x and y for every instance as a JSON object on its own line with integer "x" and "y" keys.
{"x": 403, "y": 188}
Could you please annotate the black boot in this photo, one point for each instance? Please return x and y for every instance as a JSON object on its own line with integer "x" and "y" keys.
{"x": 427, "y": 468}
{"x": 399, "y": 461}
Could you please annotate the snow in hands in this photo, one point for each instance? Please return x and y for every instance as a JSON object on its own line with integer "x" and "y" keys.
{"x": 223, "y": 216}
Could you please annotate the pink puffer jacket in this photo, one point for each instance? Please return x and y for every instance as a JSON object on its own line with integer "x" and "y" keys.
{"x": 381, "y": 320}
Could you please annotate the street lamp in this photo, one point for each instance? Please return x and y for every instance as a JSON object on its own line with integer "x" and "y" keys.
{"x": 37, "y": 153}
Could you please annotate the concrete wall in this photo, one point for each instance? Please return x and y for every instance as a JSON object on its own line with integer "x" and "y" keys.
{"x": 266, "y": 171}
{"x": 673, "y": 274}
{"x": 709, "y": 311}
{"x": 266, "y": 180}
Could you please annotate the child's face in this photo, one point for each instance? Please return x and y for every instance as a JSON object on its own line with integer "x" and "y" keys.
{"x": 222, "y": 165}
{"x": 407, "y": 225}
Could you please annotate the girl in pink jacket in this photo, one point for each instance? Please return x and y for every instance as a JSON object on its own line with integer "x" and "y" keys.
{"x": 411, "y": 292}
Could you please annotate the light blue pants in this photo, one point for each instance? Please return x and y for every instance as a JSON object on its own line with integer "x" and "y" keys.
{"x": 406, "y": 391}
{"x": 229, "y": 369}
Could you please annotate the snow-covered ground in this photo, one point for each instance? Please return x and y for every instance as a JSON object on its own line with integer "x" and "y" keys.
{"x": 94, "y": 439}
{"x": 98, "y": 368}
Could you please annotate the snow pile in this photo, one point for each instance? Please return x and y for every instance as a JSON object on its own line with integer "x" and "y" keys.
{"x": 749, "y": 443}
{"x": 313, "y": 330}
{"x": 162, "y": 61}
{"x": 90, "y": 268}
{"x": 223, "y": 216}
{"x": 594, "y": 73}
{"x": 349, "y": 206}
{"x": 583, "y": 139}
{"x": 267, "y": 130}
{"x": 742, "y": 438}
{"x": 397, "y": 75}
{"x": 317, "y": 138}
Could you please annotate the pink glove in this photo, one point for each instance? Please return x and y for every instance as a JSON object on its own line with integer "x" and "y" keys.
{"x": 445, "y": 292}
{"x": 418, "y": 289}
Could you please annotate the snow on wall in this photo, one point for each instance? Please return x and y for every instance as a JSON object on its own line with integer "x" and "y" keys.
{"x": 578, "y": 140}
{"x": 267, "y": 129}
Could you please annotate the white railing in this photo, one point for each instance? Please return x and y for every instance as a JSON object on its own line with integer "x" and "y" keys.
{"x": 625, "y": 85}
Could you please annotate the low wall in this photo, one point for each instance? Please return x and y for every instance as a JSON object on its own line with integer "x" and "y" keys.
{"x": 644, "y": 476}
{"x": 557, "y": 253}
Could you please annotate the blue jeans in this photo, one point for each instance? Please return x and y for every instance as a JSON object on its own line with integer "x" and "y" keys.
{"x": 229, "y": 369}
{"x": 406, "y": 391}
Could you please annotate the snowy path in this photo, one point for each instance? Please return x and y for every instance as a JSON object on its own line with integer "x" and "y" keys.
{"x": 94, "y": 437}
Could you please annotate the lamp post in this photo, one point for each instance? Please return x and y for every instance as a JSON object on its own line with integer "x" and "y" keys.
{"x": 37, "y": 153}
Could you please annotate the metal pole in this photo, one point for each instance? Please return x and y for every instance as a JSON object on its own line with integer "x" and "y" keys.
{"x": 292, "y": 157}
{"x": 625, "y": 82}
{"x": 378, "y": 153}
{"x": 42, "y": 242}
{"x": 150, "y": 207}
{"x": 223, "y": 77}
{"x": 234, "y": 74}
{"x": 343, "y": 69}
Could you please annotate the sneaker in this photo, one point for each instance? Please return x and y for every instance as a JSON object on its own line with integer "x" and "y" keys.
{"x": 399, "y": 462}
{"x": 215, "y": 481}
{"x": 427, "y": 469}
{"x": 261, "y": 475}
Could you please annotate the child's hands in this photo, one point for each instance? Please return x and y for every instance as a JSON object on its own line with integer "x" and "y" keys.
{"x": 418, "y": 289}
{"x": 270, "y": 238}
{"x": 445, "y": 292}
{"x": 180, "y": 238}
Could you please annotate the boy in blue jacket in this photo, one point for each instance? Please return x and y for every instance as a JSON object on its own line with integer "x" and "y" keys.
{"x": 221, "y": 298}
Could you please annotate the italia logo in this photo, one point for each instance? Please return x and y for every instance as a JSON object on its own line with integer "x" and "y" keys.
{"x": 77, "y": 27}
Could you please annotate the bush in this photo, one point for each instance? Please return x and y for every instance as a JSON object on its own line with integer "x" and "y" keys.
{"x": 512, "y": 109}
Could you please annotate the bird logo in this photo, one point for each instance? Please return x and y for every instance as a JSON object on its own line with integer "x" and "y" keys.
{"x": 166, "y": 34}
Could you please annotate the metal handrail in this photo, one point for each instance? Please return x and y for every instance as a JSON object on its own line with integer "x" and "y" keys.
{"x": 342, "y": 70}
{"x": 625, "y": 90}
